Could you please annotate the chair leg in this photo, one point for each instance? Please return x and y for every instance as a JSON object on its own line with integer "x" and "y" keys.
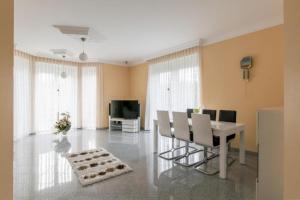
{"x": 186, "y": 156}
{"x": 230, "y": 159}
{"x": 203, "y": 166}
{"x": 173, "y": 149}
{"x": 229, "y": 147}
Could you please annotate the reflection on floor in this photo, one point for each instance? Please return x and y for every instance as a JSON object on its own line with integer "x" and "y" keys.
{"x": 42, "y": 172}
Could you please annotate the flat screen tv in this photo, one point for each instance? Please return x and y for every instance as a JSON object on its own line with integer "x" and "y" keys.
{"x": 128, "y": 109}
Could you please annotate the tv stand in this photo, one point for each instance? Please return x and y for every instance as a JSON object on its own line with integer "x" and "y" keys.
{"x": 125, "y": 125}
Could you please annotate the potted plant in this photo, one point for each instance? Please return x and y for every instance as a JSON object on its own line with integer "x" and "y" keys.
{"x": 63, "y": 125}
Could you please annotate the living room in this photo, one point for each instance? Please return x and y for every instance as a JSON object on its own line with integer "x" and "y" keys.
{"x": 127, "y": 100}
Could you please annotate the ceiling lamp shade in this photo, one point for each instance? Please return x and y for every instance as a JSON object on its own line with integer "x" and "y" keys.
{"x": 63, "y": 75}
{"x": 83, "y": 56}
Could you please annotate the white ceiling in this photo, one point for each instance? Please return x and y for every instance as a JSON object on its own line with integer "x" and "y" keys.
{"x": 136, "y": 30}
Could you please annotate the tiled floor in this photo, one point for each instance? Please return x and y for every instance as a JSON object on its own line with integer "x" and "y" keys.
{"x": 42, "y": 172}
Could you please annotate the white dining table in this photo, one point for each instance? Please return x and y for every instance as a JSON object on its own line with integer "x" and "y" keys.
{"x": 221, "y": 129}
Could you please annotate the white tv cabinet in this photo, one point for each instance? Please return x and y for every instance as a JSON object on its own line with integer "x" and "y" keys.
{"x": 125, "y": 125}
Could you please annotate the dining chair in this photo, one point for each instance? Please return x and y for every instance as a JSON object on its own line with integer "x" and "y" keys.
{"x": 211, "y": 113}
{"x": 163, "y": 120}
{"x": 189, "y": 112}
{"x": 228, "y": 116}
{"x": 213, "y": 116}
{"x": 203, "y": 135}
{"x": 182, "y": 132}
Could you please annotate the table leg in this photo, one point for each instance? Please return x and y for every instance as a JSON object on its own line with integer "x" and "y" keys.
{"x": 223, "y": 157}
{"x": 155, "y": 137}
{"x": 242, "y": 148}
{"x": 155, "y": 170}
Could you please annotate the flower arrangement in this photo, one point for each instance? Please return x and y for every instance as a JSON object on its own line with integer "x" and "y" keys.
{"x": 63, "y": 125}
{"x": 196, "y": 110}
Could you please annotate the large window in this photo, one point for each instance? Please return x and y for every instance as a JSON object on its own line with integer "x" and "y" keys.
{"x": 55, "y": 93}
{"x": 68, "y": 92}
{"x": 89, "y": 81}
{"x": 173, "y": 85}
{"x": 43, "y": 89}
{"x": 22, "y": 97}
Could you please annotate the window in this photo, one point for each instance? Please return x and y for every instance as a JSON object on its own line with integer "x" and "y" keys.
{"x": 55, "y": 93}
{"x": 43, "y": 89}
{"x": 173, "y": 85}
{"x": 89, "y": 83}
{"x": 22, "y": 97}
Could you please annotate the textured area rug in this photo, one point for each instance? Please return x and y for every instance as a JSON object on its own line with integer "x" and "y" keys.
{"x": 96, "y": 165}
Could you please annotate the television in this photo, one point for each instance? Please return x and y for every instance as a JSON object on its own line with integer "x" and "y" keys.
{"x": 127, "y": 109}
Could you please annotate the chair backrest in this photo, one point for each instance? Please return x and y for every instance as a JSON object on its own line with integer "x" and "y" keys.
{"x": 163, "y": 120}
{"x": 211, "y": 113}
{"x": 181, "y": 126}
{"x": 202, "y": 131}
{"x": 189, "y": 112}
{"x": 227, "y": 116}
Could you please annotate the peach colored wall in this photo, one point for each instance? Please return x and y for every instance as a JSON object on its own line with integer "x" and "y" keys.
{"x": 6, "y": 99}
{"x": 138, "y": 86}
{"x": 223, "y": 87}
{"x": 116, "y": 83}
{"x": 292, "y": 100}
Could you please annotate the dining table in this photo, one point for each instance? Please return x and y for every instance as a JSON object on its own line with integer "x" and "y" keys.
{"x": 220, "y": 129}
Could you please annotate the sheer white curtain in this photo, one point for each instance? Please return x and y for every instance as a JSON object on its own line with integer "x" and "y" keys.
{"x": 68, "y": 89}
{"x": 89, "y": 96}
{"x": 173, "y": 84}
{"x": 55, "y": 92}
{"x": 184, "y": 83}
{"x": 45, "y": 88}
{"x": 46, "y": 95}
{"x": 22, "y": 97}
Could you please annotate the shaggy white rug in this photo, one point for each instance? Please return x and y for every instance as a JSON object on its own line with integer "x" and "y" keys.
{"x": 96, "y": 165}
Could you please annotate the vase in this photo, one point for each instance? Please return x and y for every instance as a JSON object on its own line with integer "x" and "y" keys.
{"x": 64, "y": 133}
{"x": 62, "y": 145}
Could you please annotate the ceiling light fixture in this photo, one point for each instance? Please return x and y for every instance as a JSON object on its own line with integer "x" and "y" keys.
{"x": 83, "y": 56}
{"x": 73, "y": 30}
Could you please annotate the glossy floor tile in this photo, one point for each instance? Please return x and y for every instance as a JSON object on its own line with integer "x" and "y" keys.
{"x": 42, "y": 172}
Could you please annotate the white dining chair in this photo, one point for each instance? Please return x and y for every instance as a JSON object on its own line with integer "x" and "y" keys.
{"x": 203, "y": 135}
{"x": 182, "y": 132}
{"x": 165, "y": 130}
